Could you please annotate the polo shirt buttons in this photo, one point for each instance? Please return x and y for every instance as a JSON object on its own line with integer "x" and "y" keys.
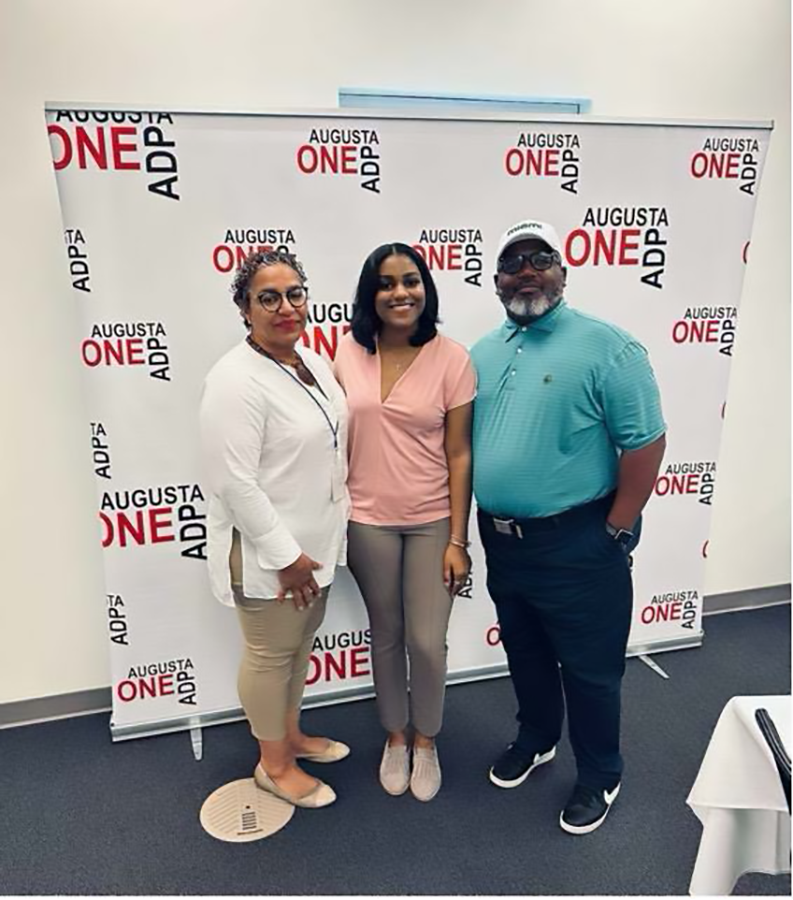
{"x": 513, "y": 372}
{"x": 520, "y": 349}
{"x": 522, "y": 327}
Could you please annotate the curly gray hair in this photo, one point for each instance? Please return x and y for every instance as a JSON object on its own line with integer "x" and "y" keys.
{"x": 255, "y": 261}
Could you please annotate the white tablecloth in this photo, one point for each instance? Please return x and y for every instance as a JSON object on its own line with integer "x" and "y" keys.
{"x": 738, "y": 797}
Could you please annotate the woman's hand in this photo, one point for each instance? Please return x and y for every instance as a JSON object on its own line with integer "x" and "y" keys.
{"x": 456, "y": 566}
{"x": 298, "y": 580}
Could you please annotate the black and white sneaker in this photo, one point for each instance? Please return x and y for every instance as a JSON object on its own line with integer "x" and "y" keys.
{"x": 515, "y": 765}
{"x": 587, "y": 809}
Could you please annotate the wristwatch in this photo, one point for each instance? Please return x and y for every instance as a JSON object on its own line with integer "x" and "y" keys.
{"x": 621, "y": 535}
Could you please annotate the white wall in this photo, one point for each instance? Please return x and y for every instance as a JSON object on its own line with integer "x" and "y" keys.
{"x": 700, "y": 59}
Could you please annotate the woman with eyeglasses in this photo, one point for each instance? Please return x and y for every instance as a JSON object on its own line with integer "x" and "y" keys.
{"x": 274, "y": 436}
{"x": 409, "y": 391}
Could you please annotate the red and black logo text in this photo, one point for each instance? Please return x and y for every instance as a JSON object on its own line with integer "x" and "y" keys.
{"x": 707, "y": 325}
{"x": 346, "y": 152}
{"x": 117, "y": 620}
{"x": 119, "y": 141}
{"x": 730, "y": 158}
{"x": 239, "y": 243}
{"x": 175, "y": 677}
{"x": 326, "y": 324}
{"x": 696, "y": 479}
{"x": 128, "y": 344}
{"x": 156, "y": 515}
{"x": 100, "y": 450}
{"x": 622, "y": 236}
{"x": 453, "y": 250}
{"x": 542, "y": 155}
{"x": 77, "y": 252}
{"x": 339, "y": 657}
{"x": 676, "y": 606}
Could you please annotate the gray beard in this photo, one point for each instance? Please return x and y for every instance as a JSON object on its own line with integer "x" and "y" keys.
{"x": 524, "y": 311}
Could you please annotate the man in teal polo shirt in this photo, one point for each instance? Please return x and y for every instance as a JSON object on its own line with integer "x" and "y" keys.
{"x": 568, "y": 437}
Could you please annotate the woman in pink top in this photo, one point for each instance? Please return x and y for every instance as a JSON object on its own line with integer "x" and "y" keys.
{"x": 409, "y": 391}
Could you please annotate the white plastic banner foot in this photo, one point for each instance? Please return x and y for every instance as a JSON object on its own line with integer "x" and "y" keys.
{"x": 197, "y": 740}
{"x": 241, "y": 812}
{"x": 649, "y": 661}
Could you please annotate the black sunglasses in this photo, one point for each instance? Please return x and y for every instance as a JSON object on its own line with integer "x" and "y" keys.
{"x": 539, "y": 260}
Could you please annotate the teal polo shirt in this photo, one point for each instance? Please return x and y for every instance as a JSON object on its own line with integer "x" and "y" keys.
{"x": 556, "y": 402}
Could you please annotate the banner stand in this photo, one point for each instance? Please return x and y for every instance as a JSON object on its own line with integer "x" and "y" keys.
{"x": 159, "y": 209}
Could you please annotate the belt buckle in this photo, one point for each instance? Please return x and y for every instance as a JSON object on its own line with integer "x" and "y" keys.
{"x": 508, "y": 526}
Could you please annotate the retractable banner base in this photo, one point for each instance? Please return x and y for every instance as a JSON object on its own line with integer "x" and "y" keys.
{"x": 240, "y": 812}
{"x": 160, "y": 208}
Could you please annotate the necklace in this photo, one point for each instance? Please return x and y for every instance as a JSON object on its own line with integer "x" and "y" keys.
{"x": 397, "y": 362}
{"x": 306, "y": 377}
{"x": 303, "y": 372}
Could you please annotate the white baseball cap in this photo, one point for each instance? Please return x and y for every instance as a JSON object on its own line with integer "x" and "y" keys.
{"x": 529, "y": 229}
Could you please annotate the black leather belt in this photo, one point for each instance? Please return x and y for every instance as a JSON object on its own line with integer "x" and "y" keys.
{"x": 519, "y": 527}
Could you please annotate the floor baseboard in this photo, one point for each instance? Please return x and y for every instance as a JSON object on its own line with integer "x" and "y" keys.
{"x": 753, "y": 598}
{"x": 58, "y": 706}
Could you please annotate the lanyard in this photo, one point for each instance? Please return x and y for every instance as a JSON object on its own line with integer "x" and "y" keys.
{"x": 334, "y": 430}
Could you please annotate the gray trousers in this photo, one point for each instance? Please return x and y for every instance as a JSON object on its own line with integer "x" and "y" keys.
{"x": 399, "y": 570}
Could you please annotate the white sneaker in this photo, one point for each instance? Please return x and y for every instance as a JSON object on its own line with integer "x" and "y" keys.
{"x": 425, "y": 782}
{"x": 395, "y": 769}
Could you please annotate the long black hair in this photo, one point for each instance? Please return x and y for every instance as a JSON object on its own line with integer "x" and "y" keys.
{"x": 366, "y": 324}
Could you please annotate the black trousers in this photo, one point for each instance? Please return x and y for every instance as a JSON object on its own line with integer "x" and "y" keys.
{"x": 563, "y": 594}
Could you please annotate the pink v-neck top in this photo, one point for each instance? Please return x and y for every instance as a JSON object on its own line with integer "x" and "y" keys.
{"x": 398, "y": 470}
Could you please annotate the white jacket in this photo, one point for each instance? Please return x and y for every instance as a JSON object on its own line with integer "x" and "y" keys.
{"x": 273, "y": 469}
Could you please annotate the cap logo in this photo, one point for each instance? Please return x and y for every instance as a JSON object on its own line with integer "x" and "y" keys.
{"x": 524, "y": 225}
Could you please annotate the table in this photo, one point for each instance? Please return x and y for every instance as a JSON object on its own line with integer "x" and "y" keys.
{"x": 738, "y": 797}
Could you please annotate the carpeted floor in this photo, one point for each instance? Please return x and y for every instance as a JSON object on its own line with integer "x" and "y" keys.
{"x": 79, "y": 815}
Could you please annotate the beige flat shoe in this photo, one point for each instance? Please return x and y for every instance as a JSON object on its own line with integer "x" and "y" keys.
{"x": 322, "y": 795}
{"x": 332, "y": 753}
{"x": 395, "y": 769}
{"x": 425, "y": 782}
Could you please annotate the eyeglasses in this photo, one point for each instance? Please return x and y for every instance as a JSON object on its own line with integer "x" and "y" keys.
{"x": 271, "y": 300}
{"x": 539, "y": 260}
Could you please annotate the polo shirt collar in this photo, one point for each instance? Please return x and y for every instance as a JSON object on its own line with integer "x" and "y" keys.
{"x": 546, "y": 323}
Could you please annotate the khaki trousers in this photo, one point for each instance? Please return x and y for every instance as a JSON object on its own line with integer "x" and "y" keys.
{"x": 278, "y": 639}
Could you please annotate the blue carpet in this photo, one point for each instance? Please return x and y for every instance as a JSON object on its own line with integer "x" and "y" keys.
{"x": 79, "y": 815}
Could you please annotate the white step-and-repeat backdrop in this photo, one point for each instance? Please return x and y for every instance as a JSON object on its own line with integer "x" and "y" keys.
{"x": 158, "y": 210}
